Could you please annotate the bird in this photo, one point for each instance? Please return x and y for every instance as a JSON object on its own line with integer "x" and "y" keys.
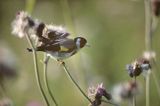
{"x": 63, "y": 48}
{"x": 55, "y": 42}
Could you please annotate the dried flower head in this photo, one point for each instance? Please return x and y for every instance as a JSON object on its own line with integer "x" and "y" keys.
{"x": 125, "y": 91}
{"x": 96, "y": 94}
{"x": 149, "y": 55}
{"x": 6, "y": 102}
{"x": 138, "y": 66}
{"x": 7, "y": 63}
{"x": 24, "y": 24}
{"x": 156, "y": 7}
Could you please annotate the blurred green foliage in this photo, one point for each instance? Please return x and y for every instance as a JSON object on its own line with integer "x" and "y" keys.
{"x": 113, "y": 28}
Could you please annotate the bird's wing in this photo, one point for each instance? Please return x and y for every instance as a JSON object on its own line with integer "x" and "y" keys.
{"x": 60, "y": 45}
{"x": 49, "y": 47}
{"x": 67, "y": 45}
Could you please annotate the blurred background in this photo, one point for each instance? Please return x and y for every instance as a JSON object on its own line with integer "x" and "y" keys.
{"x": 113, "y": 28}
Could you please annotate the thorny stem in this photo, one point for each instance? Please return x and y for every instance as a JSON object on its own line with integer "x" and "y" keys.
{"x": 46, "y": 59}
{"x": 74, "y": 82}
{"x": 37, "y": 69}
{"x": 148, "y": 42}
{"x": 108, "y": 102}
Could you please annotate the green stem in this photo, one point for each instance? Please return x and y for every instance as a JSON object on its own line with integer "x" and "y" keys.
{"x": 156, "y": 66}
{"x": 30, "y": 5}
{"x": 147, "y": 90}
{"x": 134, "y": 96}
{"x": 156, "y": 82}
{"x": 148, "y": 42}
{"x": 154, "y": 73}
{"x": 74, "y": 82}
{"x": 149, "y": 30}
{"x": 37, "y": 69}
{"x": 46, "y": 59}
{"x": 148, "y": 25}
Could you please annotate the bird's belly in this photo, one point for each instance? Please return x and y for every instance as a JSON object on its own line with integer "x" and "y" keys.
{"x": 60, "y": 55}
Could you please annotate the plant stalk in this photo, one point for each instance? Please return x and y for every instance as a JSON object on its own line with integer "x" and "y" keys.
{"x": 37, "y": 70}
{"x": 147, "y": 90}
{"x": 46, "y": 59}
{"x": 134, "y": 96}
{"x": 148, "y": 43}
{"x": 74, "y": 82}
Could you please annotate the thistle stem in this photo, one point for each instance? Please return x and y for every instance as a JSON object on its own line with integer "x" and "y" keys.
{"x": 134, "y": 96}
{"x": 147, "y": 90}
{"x": 148, "y": 25}
{"x": 74, "y": 82}
{"x": 148, "y": 42}
{"x": 156, "y": 82}
{"x": 155, "y": 77}
{"x": 37, "y": 69}
{"x": 46, "y": 59}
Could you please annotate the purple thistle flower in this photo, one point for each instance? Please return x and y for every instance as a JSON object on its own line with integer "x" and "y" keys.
{"x": 96, "y": 94}
{"x": 137, "y": 67}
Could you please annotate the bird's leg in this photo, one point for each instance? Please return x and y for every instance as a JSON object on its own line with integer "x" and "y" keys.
{"x": 29, "y": 50}
{"x": 46, "y": 59}
{"x": 61, "y": 61}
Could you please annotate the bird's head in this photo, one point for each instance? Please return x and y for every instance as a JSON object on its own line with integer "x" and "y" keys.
{"x": 80, "y": 42}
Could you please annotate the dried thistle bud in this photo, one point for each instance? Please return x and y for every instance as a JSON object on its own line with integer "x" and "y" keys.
{"x": 125, "y": 90}
{"x": 134, "y": 69}
{"x": 149, "y": 55}
{"x": 7, "y": 63}
{"x": 129, "y": 89}
{"x": 96, "y": 94}
{"x": 156, "y": 7}
{"x": 21, "y": 23}
{"x": 138, "y": 66}
{"x": 6, "y": 71}
{"x": 6, "y": 102}
{"x": 24, "y": 24}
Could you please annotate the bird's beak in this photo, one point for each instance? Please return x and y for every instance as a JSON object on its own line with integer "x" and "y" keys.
{"x": 87, "y": 45}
